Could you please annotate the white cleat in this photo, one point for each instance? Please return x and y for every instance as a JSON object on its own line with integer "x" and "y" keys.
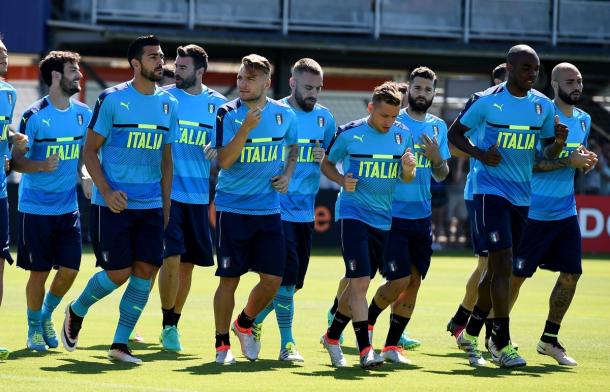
{"x": 249, "y": 347}
{"x": 334, "y": 350}
{"x": 394, "y": 354}
{"x": 507, "y": 357}
{"x": 470, "y": 345}
{"x": 224, "y": 356}
{"x": 290, "y": 354}
{"x": 557, "y": 352}
{"x": 370, "y": 359}
{"x": 122, "y": 354}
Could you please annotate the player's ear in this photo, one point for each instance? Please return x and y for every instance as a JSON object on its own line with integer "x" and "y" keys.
{"x": 292, "y": 83}
{"x": 268, "y": 82}
{"x": 56, "y": 76}
{"x": 371, "y": 107}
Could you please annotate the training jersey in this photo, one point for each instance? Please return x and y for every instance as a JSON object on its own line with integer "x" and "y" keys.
{"x": 373, "y": 158}
{"x": 412, "y": 200}
{"x": 8, "y": 97}
{"x": 51, "y": 131}
{"x": 516, "y": 124}
{"x": 197, "y": 122}
{"x": 317, "y": 126}
{"x": 553, "y": 191}
{"x": 136, "y": 127}
{"x": 245, "y": 187}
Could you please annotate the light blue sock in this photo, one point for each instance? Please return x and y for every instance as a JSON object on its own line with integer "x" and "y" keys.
{"x": 48, "y": 306}
{"x": 97, "y": 288}
{"x": 264, "y": 313}
{"x": 34, "y": 320}
{"x": 131, "y": 307}
{"x": 284, "y": 312}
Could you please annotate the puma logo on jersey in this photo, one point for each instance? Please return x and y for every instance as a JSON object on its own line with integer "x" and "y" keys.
{"x": 125, "y": 105}
{"x": 239, "y": 122}
{"x": 47, "y": 122}
{"x": 498, "y": 106}
{"x": 359, "y": 138}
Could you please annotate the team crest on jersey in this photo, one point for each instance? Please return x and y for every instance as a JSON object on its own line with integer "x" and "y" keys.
{"x": 165, "y": 108}
{"x": 538, "y": 108}
{"x": 10, "y": 98}
{"x": 211, "y": 108}
{"x": 435, "y": 130}
{"x": 398, "y": 138}
{"x": 321, "y": 121}
{"x": 79, "y": 119}
{"x": 278, "y": 119}
{"x": 583, "y": 125}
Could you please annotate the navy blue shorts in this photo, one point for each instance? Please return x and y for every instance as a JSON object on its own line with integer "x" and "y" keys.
{"x": 552, "y": 245}
{"x": 4, "y": 231}
{"x": 409, "y": 245}
{"x": 49, "y": 241}
{"x": 297, "y": 237}
{"x": 478, "y": 251}
{"x": 188, "y": 234}
{"x": 499, "y": 224}
{"x": 131, "y": 235}
{"x": 249, "y": 243}
{"x": 362, "y": 247}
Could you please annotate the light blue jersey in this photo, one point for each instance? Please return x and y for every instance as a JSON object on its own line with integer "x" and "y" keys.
{"x": 8, "y": 97}
{"x": 515, "y": 125}
{"x": 553, "y": 191}
{"x": 197, "y": 120}
{"x": 245, "y": 187}
{"x": 315, "y": 126}
{"x": 136, "y": 127}
{"x": 373, "y": 158}
{"x": 412, "y": 200}
{"x": 53, "y": 132}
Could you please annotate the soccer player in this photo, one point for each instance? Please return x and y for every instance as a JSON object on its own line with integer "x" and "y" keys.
{"x": 376, "y": 155}
{"x": 251, "y": 133}
{"x": 458, "y": 321}
{"x": 48, "y": 208}
{"x": 8, "y": 98}
{"x": 551, "y": 239}
{"x": 409, "y": 245}
{"x": 188, "y": 240}
{"x": 509, "y": 120}
{"x": 128, "y": 156}
{"x": 316, "y": 127}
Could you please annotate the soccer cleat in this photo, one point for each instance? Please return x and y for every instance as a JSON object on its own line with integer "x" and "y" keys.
{"x": 507, "y": 357}
{"x": 290, "y": 353}
{"x": 369, "y": 359}
{"x": 119, "y": 352}
{"x": 4, "y": 353}
{"x": 170, "y": 339}
{"x": 557, "y": 352}
{"x": 249, "y": 348}
{"x": 48, "y": 334}
{"x": 257, "y": 331}
{"x": 329, "y": 319}
{"x": 70, "y": 329}
{"x": 334, "y": 350}
{"x": 224, "y": 356}
{"x": 394, "y": 354}
{"x": 470, "y": 345}
{"x": 454, "y": 329}
{"x": 36, "y": 341}
{"x": 407, "y": 343}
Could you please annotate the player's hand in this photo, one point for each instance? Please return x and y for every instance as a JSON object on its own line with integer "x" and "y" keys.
{"x": 280, "y": 183}
{"x": 87, "y": 186}
{"x": 209, "y": 152}
{"x": 349, "y": 182}
{"x": 408, "y": 161}
{"x": 561, "y": 131}
{"x": 318, "y": 152}
{"x": 115, "y": 200}
{"x": 253, "y": 117}
{"x": 50, "y": 164}
{"x": 583, "y": 159}
{"x": 20, "y": 141}
{"x": 491, "y": 157}
{"x": 7, "y": 164}
{"x": 431, "y": 149}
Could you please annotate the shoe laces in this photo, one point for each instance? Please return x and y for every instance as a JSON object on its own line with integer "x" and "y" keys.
{"x": 291, "y": 348}
{"x": 48, "y": 328}
{"x": 257, "y": 330}
{"x": 510, "y": 352}
{"x": 37, "y": 339}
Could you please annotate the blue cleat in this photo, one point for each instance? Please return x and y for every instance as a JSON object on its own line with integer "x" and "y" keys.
{"x": 36, "y": 341}
{"x": 48, "y": 334}
{"x": 170, "y": 339}
{"x": 407, "y": 343}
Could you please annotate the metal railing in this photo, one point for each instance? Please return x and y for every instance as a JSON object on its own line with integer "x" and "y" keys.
{"x": 553, "y": 21}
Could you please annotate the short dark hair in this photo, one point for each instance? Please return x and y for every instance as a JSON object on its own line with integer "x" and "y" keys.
{"x": 197, "y": 53}
{"x": 388, "y": 92}
{"x": 54, "y": 61}
{"x": 257, "y": 62}
{"x": 136, "y": 48}
{"x": 307, "y": 65}
{"x": 499, "y": 72}
{"x": 169, "y": 71}
{"x": 423, "y": 72}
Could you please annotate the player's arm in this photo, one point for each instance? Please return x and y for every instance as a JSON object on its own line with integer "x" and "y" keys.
{"x": 347, "y": 181}
{"x": 23, "y": 164}
{"x": 440, "y": 168}
{"x": 167, "y": 174}
{"x": 229, "y": 153}
{"x": 408, "y": 165}
{"x": 457, "y": 137}
{"x": 280, "y": 183}
{"x": 551, "y": 147}
{"x": 579, "y": 159}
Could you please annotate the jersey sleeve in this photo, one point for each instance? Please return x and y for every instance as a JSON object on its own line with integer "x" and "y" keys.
{"x": 473, "y": 114}
{"x": 585, "y": 140}
{"x": 338, "y": 148}
{"x": 292, "y": 131}
{"x": 442, "y": 141}
{"x": 174, "y": 129}
{"x": 218, "y": 103}
{"x": 101, "y": 120}
{"x": 548, "y": 126}
{"x": 29, "y": 127}
{"x": 329, "y": 132}
{"x": 225, "y": 130}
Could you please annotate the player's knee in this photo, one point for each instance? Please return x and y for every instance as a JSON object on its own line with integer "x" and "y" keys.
{"x": 395, "y": 287}
{"x": 270, "y": 282}
{"x": 568, "y": 279}
{"x": 67, "y": 274}
{"x": 228, "y": 284}
{"x": 119, "y": 277}
{"x": 359, "y": 285}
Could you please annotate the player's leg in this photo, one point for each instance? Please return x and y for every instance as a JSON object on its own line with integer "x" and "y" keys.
{"x": 4, "y": 255}
{"x": 341, "y": 288}
{"x": 186, "y": 278}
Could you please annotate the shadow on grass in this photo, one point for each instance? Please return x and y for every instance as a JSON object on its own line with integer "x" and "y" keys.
{"x": 133, "y": 346}
{"x": 27, "y": 353}
{"x": 492, "y": 371}
{"x": 356, "y": 373}
{"x": 261, "y": 365}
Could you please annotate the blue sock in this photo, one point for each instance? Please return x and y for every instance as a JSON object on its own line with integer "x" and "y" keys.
{"x": 284, "y": 312}
{"x": 34, "y": 320}
{"x": 97, "y": 288}
{"x": 48, "y": 306}
{"x": 264, "y": 313}
{"x": 131, "y": 307}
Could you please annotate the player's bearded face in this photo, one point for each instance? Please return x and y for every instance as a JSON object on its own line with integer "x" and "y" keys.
{"x": 3, "y": 60}
{"x": 307, "y": 86}
{"x": 570, "y": 89}
{"x": 151, "y": 64}
{"x": 185, "y": 81}
{"x": 421, "y": 94}
{"x": 185, "y": 74}
{"x": 419, "y": 103}
{"x": 70, "y": 79}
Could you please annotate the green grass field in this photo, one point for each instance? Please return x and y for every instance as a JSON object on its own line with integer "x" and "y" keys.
{"x": 438, "y": 365}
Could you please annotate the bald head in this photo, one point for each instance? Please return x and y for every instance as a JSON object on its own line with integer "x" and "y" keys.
{"x": 523, "y": 66}
{"x": 518, "y": 53}
{"x": 563, "y": 69}
{"x": 3, "y": 59}
{"x": 566, "y": 81}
